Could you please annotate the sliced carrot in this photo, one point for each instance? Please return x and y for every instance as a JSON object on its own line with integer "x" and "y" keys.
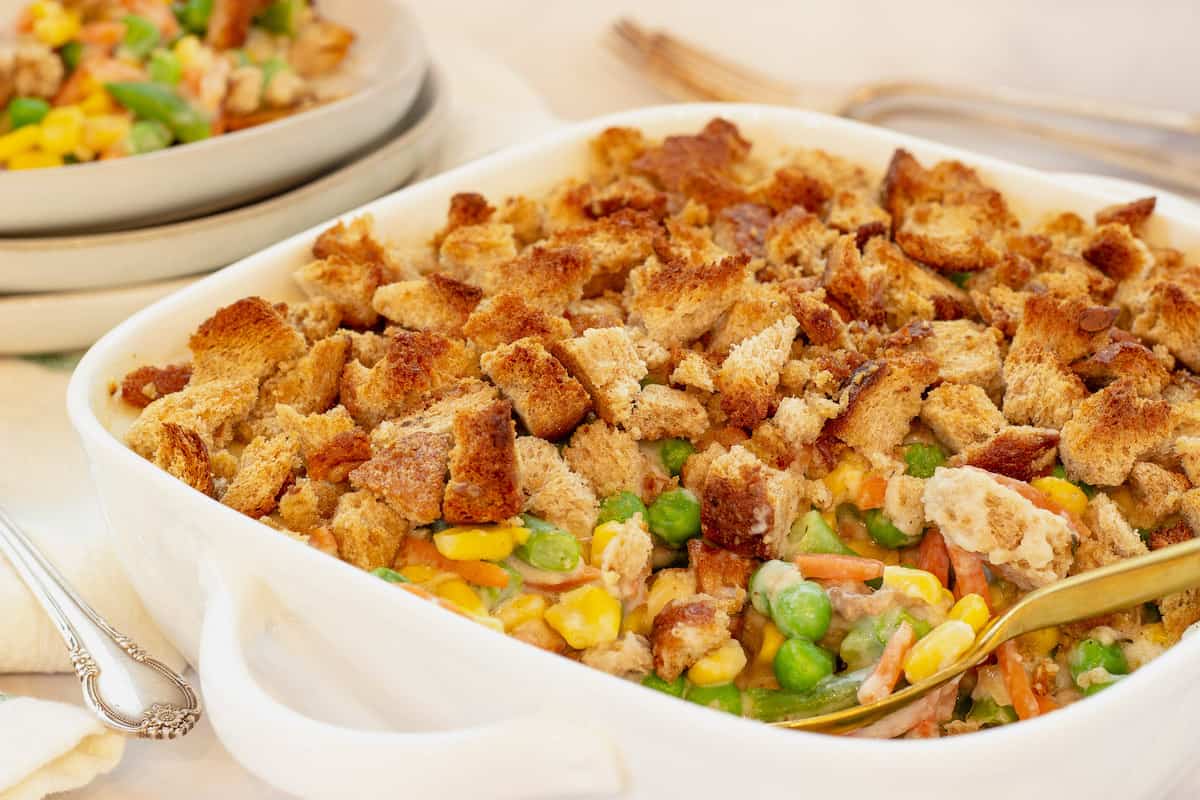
{"x": 880, "y": 683}
{"x": 480, "y": 573}
{"x": 103, "y": 33}
{"x": 871, "y": 492}
{"x": 926, "y": 729}
{"x": 829, "y": 566}
{"x": 969, "y": 577}
{"x": 1046, "y": 704}
{"x": 1016, "y": 680}
{"x": 932, "y": 556}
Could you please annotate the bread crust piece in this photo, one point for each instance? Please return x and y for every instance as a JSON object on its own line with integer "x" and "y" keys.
{"x": 1069, "y": 328}
{"x": 211, "y": 410}
{"x": 660, "y": 412}
{"x": 677, "y": 301}
{"x": 552, "y": 490}
{"x": 607, "y": 457}
{"x": 695, "y": 370}
{"x": 267, "y": 465}
{"x": 750, "y": 374}
{"x": 1128, "y": 360}
{"x": 483, "y": 484}
{"x": 466, "y": 208}
{"x": 471, "y": 252}
{"x": 308, "y": 504}
{"x": 1110, "y": 431}
{"x": 1040, "y": 390}
{"x": 435, "y": 303}
{"x": 1018, "y": 451}
{"x": 506, "y": 317}
{"x": 961, "y": 415}
{"x": 309, "y": 384}
{"x": 367, "y": 531}
{"x": 1116, "y": 251}
{"x": 965, "y": 352}
{"x": 410, "y": 475}
{"x": 1187, "y": 449}
{"x": 330, "y": 443}
{"x": 1171, "y": 317}
{"x": 548, "y": 277}
{"x": 797, "y": 244}
{"x": 182, "y": 453}
{"x": 1111, "y": 539}
{"x": 748, "y": 507}
{"x": 713, "y": 151}
{"x": 437, "y": 414}
{"x": 547, "y": 399}
{"x": 249, "y": 338}
{"x": 614, "y": 243}
{"x": 1158, "y": 491}
{"x": 146, "y": 384}
{"x": 721, "y": 574}
{"x": 880, "y": 401}
{"x": 684, "y": 632}
{"x": 627, "y": 657}
{"x": 348, "y": 283}
{"x": 606, "y": 363}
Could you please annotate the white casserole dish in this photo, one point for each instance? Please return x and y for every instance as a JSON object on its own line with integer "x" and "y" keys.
{"x": 486, "y": 716}
{"x": 383, "y": 74}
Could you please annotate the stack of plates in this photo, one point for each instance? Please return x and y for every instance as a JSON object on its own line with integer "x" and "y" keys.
{"x": 83, "y": 247}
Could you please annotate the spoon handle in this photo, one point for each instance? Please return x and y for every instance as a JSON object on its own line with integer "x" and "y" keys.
{"x": 96, "y": 648}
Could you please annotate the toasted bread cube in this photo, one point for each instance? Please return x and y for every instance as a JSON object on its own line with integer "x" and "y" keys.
{"x": 1018, "y": 451}
{"x": 316, "y": 318}
{"x": 466, "y": 208}
{"x": 410, "y": 475}
{"x": 819, "y": 322}
{"x": 612, "y": 151}
{"x": 435, "y": 415}
{"x": 210, "y": 410}
{"x": 357, "y": 244}
{"x": 1116, "y": 251}
{"x": 1179, "y": 612}
{"x": 1171, "y": 317}
{"x": 1189, "y": 507}
{"x": 960, "y": 415}
{"x": 801, "y": 419}
{"x": 1039, "y": 389}
{"x": 606, "y": 362}
{"x": 880, "y": 402}
{"x": 1159, "y": 492}
{"x": 684, "y": 632}
{"x": 904, "y": 503}
{"x": 310, "y": 383}
{"x": 1110, "y": 431}
{"x": 471, "y": 253}
{"x": 625, "y": 562}
{"x": 661, "y": 412}
{"x": 266, "y": 467}
{"x": 349, "y": 284}
{"x": 506, "y": 317}
{"x": 1027, "y": 545}
{"x": 1128, "y": 360}
{"x": 760, "y": 306}
{"x": 435, "y": 303}
{"x": 249, "y": 338}
{"x": 613, "y": 244}
{"x": 330, "y": 443}
{"x": 720, "y": 574}
{"x": 596, "y": 312}
{"x": 549, "y": 278}
{"x": 1111, "y": 538}
{"x": 483, "y": 467}
{"x": 547, "y": 399}
{"x": 748, "y": 507}
{"x": 742, "y": 228}
{"x": 367, "y": 531}
{"x": 1187, "y": 448}
{"x": 608, "y": 458}
{"x": 750, "y": 374}
{"x": 1134, "y": 213}
{"x": 856, "y": 283}
{"x": 627, "y": 657}
{"x": 678, "y": 301}
{"x": 965, "y": 352}
{"x": 796, "y": 243}
{"x": 911, "y": 291}
{"x": 713, "y": 151}
{"x": 308, "y": 504}
{"x": 1070, "y": 328}
{"x": 146, "y": 384}
{"x": 552, "y": 490}
{"x": 696, "y": 371}
{"x": 182, "y": 453}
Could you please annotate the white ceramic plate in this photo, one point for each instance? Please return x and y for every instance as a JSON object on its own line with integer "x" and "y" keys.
{"x": 64, "y": 263}
{"x": 386, "y": 65}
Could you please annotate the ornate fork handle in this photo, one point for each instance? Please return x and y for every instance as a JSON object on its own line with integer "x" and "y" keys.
{"x": 134, "y": 701}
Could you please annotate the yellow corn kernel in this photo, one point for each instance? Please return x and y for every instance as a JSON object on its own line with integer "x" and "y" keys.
{"x": 1062, "y": 492}
{"x": 670, "y": 584}
{"x": 1155, "y": 632}
{"x": 104, "y": 131}
{"x": 419, "y": 573}
{"x": 190, "y": 52}
{"x": 719, "y": 666}
{"x": 586, "y": 617}
{"x": 476, "y": 544}
{"x": 772, "y": 640}
{"x": 54, "y": 26}
{"x": 98, "y": 102}
{"x": 915, "y": 583}
{"x": 971, "y": 609}
{"x": 516, "y": 611}
{"x": 845, "y": 479}
{"x": 636, "y": 621}
{"x": 34, "y": 159}
{"x": 62, "y": 130}
{"x": 1040, "y": 642}
{"x": 601, "y": 536}
{"x": 938, "y": 649}
{"x": 21, "y": 140}
{"x": 462, "y": 595}
{"x": 947, "y": 598}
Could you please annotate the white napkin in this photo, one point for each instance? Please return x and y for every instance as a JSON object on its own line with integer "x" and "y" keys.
{"x": 71, "y": 748}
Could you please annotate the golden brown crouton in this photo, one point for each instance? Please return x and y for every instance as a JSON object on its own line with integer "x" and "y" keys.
{"x": 1180, "y": 611}
{"x": 1116, "y": 251}
{"x": 748, "y": 507}
{"x": 356, "y": 243}
{"x": 820, "y": 323}
{"x": 1158, "y": 492}
{"x": 750, "y": 374}
{"x": 904, "y": 505}
{"x": 695, "y": 469}
{"x": 660, "y": 412}
{"x": 483, "y": 467}
{"x": 797, "y": 244}
{"x": 612, "y": 151}
{"x": 317, "y": 435}
{"x": 625, "y": 561}
{"x": 267, "y": 466}
{"x": 316, "y": 318}
{"x": 547, "y": 399}
{"x": 1069, "y": 328}
{"x": 720, "y": 574}
{"x": 677, "y": 301}
{"x": 525, "y": 216}
{"x": 608, "y": 458}
{"x": 696, "y": 371}
{"x": 605, "y": 361}
{"x": 229, "y": 23}
{"x": 595, "y": 312}
{"x": 348, "y": 283}
{"x": 856, "y": 284}
{"x": 210, "y": 410}
{"x": 880, "y": 401}
{"x": 910, "y": 290}
{"x": 1017, "y": 451}
{"x": 964, "y": 351}
{"x": 552, "y": 490}
{"x": 506, "y": 317}
{"x": 435, "y": 415}
{"x": 182, "y": 453}
{"x": 249, "y": 338}
{"x": 146, "y": 384}
{"x": 713, "y": 151}
{"x": 471, "y": 252}
{"x": 549, "y": 278}
{"x": 1124, "y": 360}
{"x": 960, "y": 415}
{"x": 1171, "y": 316}
{"x": 1187, "y": 449}
{"x": 613, "y": 245}
{"x": 800, "y": 419}
{"x": 1039, "y": 389}
{"x": 627, "y": 657}
{"x": 792, "y": 186}
{"x": 310, "y": 383}
{"x": 466, "y": 208}
{"x": 1134, "y": 213}
{"x": 367, "y": 531}
{"x": 409, "y": 475}
{"x": 761, "y": 305}
{"x": 308, "y": 504}
{"x": 1109, "y": 537}
{"x": 684, "y": 632}
{"x": 1110, "y": 431}
{"x": 1189, "y": 507}
{"x": 1167, "y": 536}
{"x": 742, "y": 228}
{"x": 435, "y": 303}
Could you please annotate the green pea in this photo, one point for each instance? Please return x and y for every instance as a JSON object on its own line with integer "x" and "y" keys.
{"x": 146, "y": 136}
{"x": 770, "y": 579}
{"x": 71, "y": 53}
{"x": 959, "y": 279}
{"x": 674, "y": 452}
{"x": 803, "y": 610}
{"x": 24, "y": 111}
{"x": 988, "y": 713}
{"x": 861, "y": 646}
{"x": 554, "y": 550}
{"x": 282, "y": 16}
{"x": 494, "y": 596}
{"x": 389, "y": 575}
{"x": 727, "y": 698}
{"x": 832, "y": 694}
{"x": 674, "y": 688}
{"x": 195, "y": 14}
{"x": 1091, "y": 654}
{"x": 922, "y": 459}
{"x": 674, "y": 517}
{"x": 141, "y": 36}
{"x": 800, "y": 665}
{"x": 887, "y": 623}
{"x": 812, "y": 534}
{"x": 620, "y": 507}
{"x": 885, "y": 533}
{"x": 164, "y": 67}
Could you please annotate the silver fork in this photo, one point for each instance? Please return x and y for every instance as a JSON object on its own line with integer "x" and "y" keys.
{"x": 123, "y": 685}
{"x": 688, "y": 72}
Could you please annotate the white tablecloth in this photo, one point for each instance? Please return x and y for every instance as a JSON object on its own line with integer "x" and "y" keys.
{"x": 1106, "y": 50}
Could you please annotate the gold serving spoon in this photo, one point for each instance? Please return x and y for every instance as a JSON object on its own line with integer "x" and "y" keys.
{"x": 1092, "y": 594}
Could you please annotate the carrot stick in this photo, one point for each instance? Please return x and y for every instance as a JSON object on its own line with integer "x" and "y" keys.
{"x": 829, "y": 566}
{"x": 880, "y": 683}
{"x": 480, "y": 573}
{"x": 1046, "y": 704}
{"x": 932, "y": 556}
{"x": 969, "y": 577}
{"x": 871, "y": 492}
{"x": 1017, "y": 681}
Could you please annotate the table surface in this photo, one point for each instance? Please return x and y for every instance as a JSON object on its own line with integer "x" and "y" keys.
{"x": 559, "y": 49}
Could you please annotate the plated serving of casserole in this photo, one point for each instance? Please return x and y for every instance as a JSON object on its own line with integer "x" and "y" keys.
{"x": 769, "y": 432}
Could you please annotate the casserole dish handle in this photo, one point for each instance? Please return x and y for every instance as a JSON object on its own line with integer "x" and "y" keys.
{"x": 312, "y": 758}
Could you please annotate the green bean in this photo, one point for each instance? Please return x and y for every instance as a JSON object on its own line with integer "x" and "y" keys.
{"x": 71, "y": 53}
{"x": 727, "y": 698}
{"x": 812, "y": 534}
{"x": 282, "y": 16}
{"x": 141, "y": 36}
{"x": 195, "y": 14}
{"x": 153, "y": 101}
{"x": 832, "y": 694}
{"x": 164, "y": 67}
{"x": 146, "y": 136}
{"x": 674, "y": 688}
{"x": 988, "y": 713}
{"x": 389, "y": 575}
{"x": 24, "y": 111}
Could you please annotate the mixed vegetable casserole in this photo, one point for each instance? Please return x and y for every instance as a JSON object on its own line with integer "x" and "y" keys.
{"x": 772, "y": 436}
{"x": 100, "y": 79}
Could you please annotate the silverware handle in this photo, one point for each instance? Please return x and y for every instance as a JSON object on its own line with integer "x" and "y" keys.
{"x": 128, "y": 689}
